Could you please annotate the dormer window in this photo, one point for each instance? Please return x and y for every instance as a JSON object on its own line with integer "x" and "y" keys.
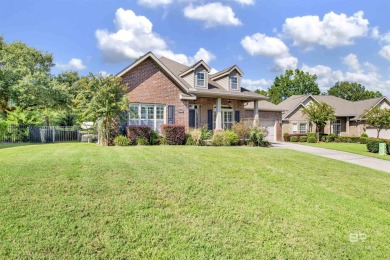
{"x": 234, "y": 83}
{"x": 200, "y": 79}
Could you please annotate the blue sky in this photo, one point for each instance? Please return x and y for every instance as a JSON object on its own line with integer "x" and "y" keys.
{"x": 335, "y": 39}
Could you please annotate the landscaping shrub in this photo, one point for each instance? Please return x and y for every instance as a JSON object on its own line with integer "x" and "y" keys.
{"x": 122, "y": 140}
{"x": 190, "y": 141}
{"x": 163, "y": 141}
{"x": 348, "y": 139}
{"x": 175, "y": 134}
{"x": 373, "y": 144}
{"x": 142, "y": 141}
{"x": 303, "y": 139}
{"x": 331, "y": 137}
{"x": 242, "y": 130}
{"x": 199, "y": 135}
{"x": 218, "y": 138}
{"x": 363, "y": 140}
{"x": 364, "y": 135}
{"x": 294, "y": 138}
{"x": 139, "y": 131}
{"x": 312, "y": 140}
{"x": 154, "y": 138}
{"x": 288, "y": 137}
{"x": 311, "y": 134}
{"x": 257, "y": 137}
{"x": 323, "y": 138}
{"x": 231, "y": 138}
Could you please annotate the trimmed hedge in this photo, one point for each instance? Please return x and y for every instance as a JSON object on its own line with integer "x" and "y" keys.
{"x": 138, "y": 132}
{"x": 174, "y": 134}
{"x": 303, "y": 139}
{"x": 312, "y": 139}
{"x": 294, "y": 138}
{"x": 287, "y": 137}
{"x": 373, "y": 145}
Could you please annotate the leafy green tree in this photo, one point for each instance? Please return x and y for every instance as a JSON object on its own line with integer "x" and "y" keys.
{"x": 26, "y": 82}
{"x": 319, "y": 114}
{"x": 262, "y": 92}
{"x": 352, "y": 91}
{"x": 104, "y": 99}
{"x": 378, "y": 118}
{"x": 293, "y": 82}
{"x": 69, "y": 78}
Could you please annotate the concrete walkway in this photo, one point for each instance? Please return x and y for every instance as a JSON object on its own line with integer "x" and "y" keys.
{"x": 361, "y": 160}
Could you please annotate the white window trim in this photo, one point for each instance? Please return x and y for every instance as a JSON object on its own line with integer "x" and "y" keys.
{"x": 335, "y": 123}
{"x": 231, "y": 83}
{"x": 300, "y": 124}
{"x": 139, "y": 119}
{"x": 204, "y": 79}
{"x": 230, "y": 109}
{"x": 294, "y": 125}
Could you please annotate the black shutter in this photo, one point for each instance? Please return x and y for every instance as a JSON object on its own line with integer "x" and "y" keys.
{"x": 191, "y": 118}
{"x": 237, "y": 116}
{"x": 171, "y": 115}
{"x": 210, "y": 119}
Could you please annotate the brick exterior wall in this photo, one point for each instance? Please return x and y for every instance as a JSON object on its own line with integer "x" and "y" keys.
{"x": 147, "y": 83}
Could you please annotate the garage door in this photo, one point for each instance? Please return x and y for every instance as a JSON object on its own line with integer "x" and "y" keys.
{"x": 385, "y": 134}
{"x": 270, "y": 125}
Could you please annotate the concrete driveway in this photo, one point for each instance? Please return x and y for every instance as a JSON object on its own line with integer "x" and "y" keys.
{"x": 361, "y": 160}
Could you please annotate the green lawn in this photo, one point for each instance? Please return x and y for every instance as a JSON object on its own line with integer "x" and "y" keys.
{"x": 351, "y": 148}
{"x": 85, "y": 201}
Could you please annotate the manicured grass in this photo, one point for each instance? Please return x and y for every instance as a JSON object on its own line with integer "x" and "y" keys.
{"x": 351, "y": 148}
{"x": 85, "y": 201}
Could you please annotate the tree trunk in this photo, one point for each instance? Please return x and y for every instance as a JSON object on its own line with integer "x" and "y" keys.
{"x": 378, "y": 131}
{"x": 47, "y": 120}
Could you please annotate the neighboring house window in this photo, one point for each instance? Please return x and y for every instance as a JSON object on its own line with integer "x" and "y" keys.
{"x": 200, "y": 79}
{"x": 302, "y": 128}
{"x": 295, "y": 128}
{"x": 337, "y": 127}
{"x": 145, "y": 114}
{"x": 234, "y": 83}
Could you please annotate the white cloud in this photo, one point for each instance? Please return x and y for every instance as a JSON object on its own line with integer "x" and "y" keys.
{"x": 212, "y": 14}
{"x": 154, "y": 3}
{"x": 204, "y": 55}
{"x": 285, "y": 63}
{"x": 263, "y": 84}
{"x": 104, "y": 73}
{"x": 352, "y": 61}
{"x": 262, "y": 45}
{"x": 135, "y": 37}
{"x": 385, "y": 52}
{"x": 367, "y": 75}
{"x": 332, "y": 31}
{"x": 213, "y": 70}
{"x": 245, "y": 2}
{"x": 73, "y": 64}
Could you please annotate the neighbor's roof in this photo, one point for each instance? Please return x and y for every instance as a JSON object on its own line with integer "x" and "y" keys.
{"x": 264, "y": 105}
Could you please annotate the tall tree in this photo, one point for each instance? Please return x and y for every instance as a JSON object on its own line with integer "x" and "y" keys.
{"x": 25, "y": 79}
{"x": 293, "y": 82}
{"x": 319, "y": 114}
{"x": 352, "y": 91}
{"x": 262, "y": 92}
{"x": 378, "y": 118}
{"x": 104, "y": 99}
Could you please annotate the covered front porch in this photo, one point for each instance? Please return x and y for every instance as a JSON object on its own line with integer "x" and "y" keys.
{"x": 219, "y": 113}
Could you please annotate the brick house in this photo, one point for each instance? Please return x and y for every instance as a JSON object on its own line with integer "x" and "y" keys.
{"x": 163, "y": 91}
{"x": 349, "y": 115}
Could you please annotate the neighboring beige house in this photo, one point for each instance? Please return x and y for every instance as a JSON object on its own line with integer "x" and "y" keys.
{"x": 349, "y": 115}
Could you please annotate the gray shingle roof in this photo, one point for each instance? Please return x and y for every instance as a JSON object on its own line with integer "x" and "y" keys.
{"x": 264, "y": 105}
{"x": 213, "y": 87}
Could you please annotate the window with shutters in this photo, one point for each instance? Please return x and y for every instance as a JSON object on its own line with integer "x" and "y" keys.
{"x": 147, "y": 114}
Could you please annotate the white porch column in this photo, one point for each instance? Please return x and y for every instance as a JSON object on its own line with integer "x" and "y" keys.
{"x": 255, "y": 112}
{"x": 218, "y": 119}
{"x": 347, "y": 126}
